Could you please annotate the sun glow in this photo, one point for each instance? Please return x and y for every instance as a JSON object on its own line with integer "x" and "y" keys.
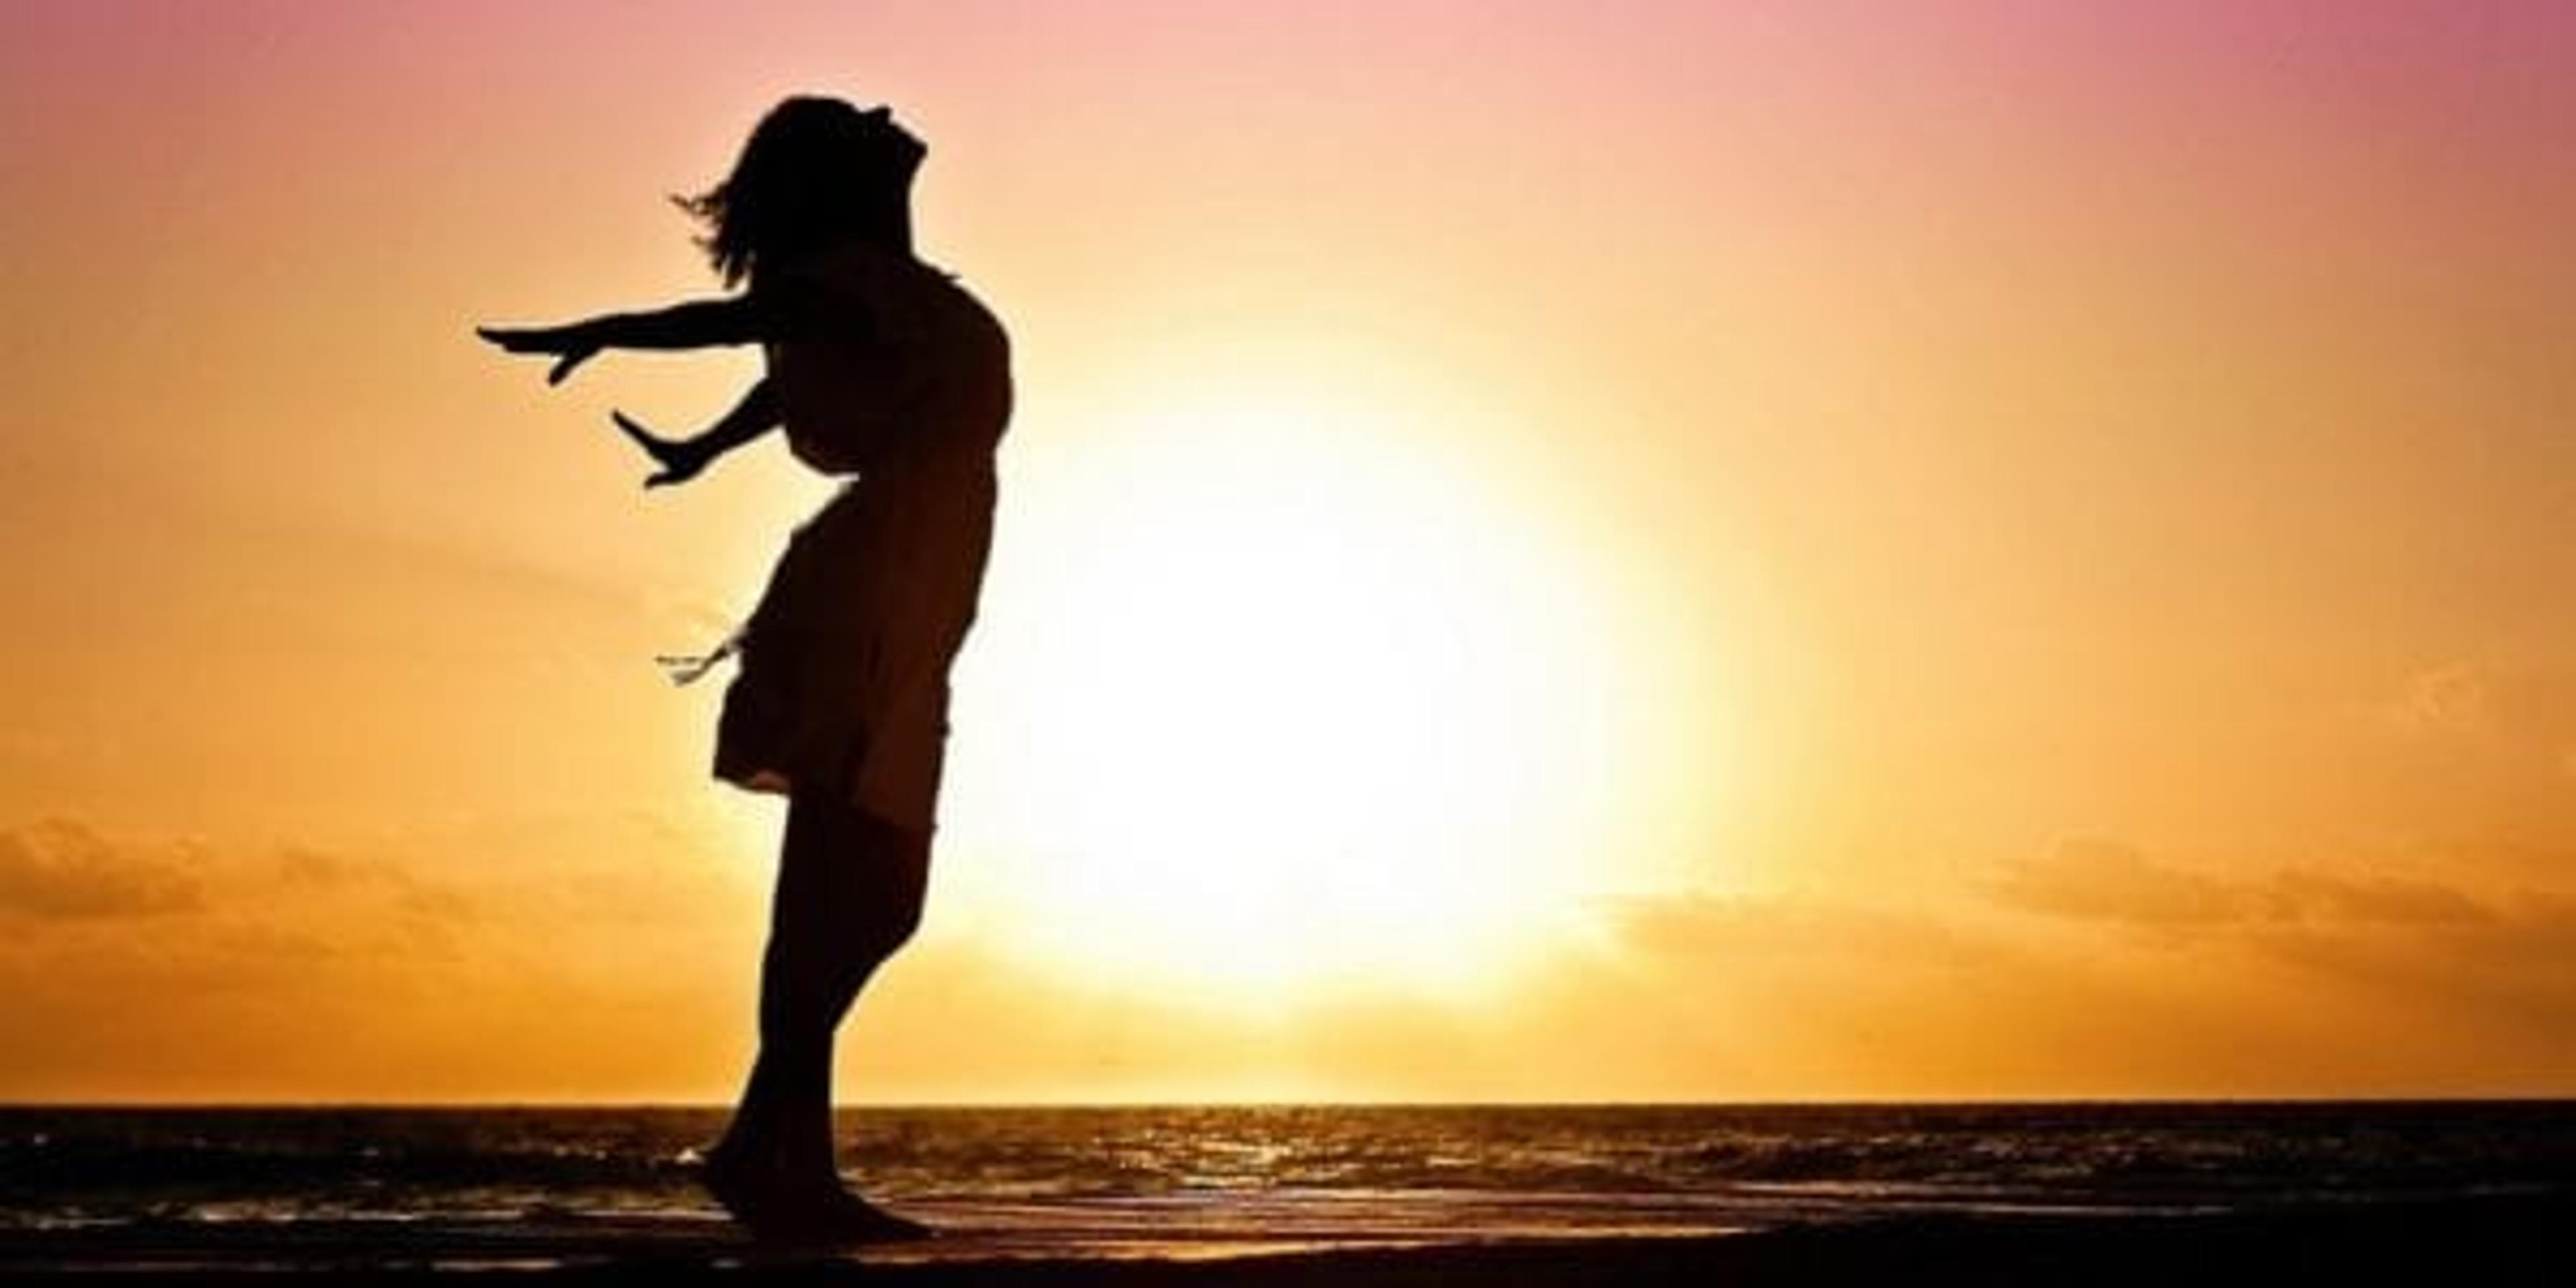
{"x": 1286, "y": 701}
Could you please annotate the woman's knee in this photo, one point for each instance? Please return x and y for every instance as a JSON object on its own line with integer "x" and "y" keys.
{"x": 878, "y": 877}
{"x": 886, "y": 932}
{"x": 890, "y": 903}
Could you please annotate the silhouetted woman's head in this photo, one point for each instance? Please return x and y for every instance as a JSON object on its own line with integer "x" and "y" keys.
{"x": 816, "y": 171}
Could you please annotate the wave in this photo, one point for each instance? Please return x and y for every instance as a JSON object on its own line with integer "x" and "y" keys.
{"x": 82, "y": 1165}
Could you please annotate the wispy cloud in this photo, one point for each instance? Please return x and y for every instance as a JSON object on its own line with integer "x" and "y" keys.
{"x": 59, "y": 869}
{"x": 2449, "y": 698}
{"x": 2112, "y": 882}
{"x": 2109, "y": 881}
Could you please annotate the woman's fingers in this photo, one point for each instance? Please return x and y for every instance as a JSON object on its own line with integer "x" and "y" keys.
{"x": 675, "y": 472}
{"x": 569, "y": 352}
{"x": 678, "y": 464}
{"x": 643, "y": 437}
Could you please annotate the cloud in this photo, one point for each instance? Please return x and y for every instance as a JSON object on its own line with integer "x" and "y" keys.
{"x": 2383, "y": 900}
{"x": 2470, "y": 987}
{"x": 2524, "y": 716}
{"x": 2453, "y": 697}
{"x": 424, "y": 964}
{"x": 615, "y": 956}
{"x": 2096, "y": 970}
{"x": 59, "y": 869}
{"x": 72, "y": 887}
{"x": 1917, "y": 994}
{"x": 2108, "y": 881}
{"x": 430, "y": 907}
{"x": 1705, "y": 927}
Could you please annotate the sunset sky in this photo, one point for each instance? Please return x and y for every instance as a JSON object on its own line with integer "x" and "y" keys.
{"x": 1557, "y": 551}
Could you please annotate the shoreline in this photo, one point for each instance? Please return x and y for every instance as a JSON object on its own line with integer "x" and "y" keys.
{"x": 2506, "y": 1239}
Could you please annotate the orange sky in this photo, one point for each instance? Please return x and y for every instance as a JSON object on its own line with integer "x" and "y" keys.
{"x": 1550, "y": 551}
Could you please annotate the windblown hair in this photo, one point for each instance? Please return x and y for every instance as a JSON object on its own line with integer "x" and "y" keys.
{"x": 815, "y": 171}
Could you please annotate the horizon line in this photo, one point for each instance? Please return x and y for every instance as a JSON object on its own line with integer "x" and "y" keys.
{"x": 1820, "y": 1102}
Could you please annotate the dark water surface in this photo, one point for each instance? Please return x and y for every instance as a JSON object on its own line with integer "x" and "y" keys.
{"x": 1115, "y": 1180}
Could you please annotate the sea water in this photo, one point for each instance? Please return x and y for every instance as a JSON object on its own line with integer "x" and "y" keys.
{"x": 1166, "y": 1179}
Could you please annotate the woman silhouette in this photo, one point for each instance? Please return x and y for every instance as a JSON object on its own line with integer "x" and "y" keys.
{"x": 881, "y": 367}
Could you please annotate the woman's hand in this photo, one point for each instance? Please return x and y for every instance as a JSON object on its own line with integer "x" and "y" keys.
{"x": 570, "y": 345}
{"x": 681, "y": 459}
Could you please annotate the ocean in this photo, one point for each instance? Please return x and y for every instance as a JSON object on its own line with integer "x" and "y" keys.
{"x": 497, "y": 1186}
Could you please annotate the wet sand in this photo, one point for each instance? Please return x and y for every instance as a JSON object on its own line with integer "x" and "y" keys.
{"x": 2528, "y": 1239}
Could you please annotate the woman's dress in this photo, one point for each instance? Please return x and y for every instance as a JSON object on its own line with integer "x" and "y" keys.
{"x": 887, "y": 370}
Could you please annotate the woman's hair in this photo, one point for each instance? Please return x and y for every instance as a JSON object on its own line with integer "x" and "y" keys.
{"x": 815, "y": 171}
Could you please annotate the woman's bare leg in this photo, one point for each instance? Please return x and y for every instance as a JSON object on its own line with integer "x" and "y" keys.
{"x": 849, "y": 894}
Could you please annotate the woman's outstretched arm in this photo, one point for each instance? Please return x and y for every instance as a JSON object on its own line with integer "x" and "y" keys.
{"x": 683, "y": 459}
{"x": 699, "y": 324}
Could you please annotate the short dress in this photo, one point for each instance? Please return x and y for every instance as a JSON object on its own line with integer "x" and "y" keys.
{"x": 891, "y": 372}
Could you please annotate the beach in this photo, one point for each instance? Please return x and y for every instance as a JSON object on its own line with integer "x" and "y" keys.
{"x": 2470, "y": 1192}
{"x": 2504, "y": 1240}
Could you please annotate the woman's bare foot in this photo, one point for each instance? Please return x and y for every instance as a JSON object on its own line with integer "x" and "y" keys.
{"x": 736, "y": 1184}
{"x": 807, "y": 1209}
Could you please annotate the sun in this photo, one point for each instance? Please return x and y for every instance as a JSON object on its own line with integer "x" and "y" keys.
{"x": 1271, "y": 697}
